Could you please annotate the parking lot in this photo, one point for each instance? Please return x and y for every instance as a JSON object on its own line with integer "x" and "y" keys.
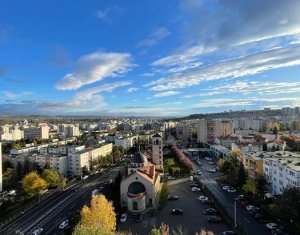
{"x": 192, "y": 220}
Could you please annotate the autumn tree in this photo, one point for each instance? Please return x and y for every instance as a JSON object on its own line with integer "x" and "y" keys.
{"x": 33, "y": 183}
{"x": 100, "y": 216}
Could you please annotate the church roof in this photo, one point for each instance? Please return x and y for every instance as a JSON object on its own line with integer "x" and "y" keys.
{"x": 157, "y": 135}
{"x": 139, "y": 158}
{"x": 136, "y": 188}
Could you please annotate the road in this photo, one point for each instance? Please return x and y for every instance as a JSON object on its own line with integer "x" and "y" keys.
{"x": 53, "y": 209}
{"x": 244, "y": 219}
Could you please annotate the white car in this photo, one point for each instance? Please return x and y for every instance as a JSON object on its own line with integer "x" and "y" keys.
{"x": 208, "y": 159}
{"x": 64, "y": 224}
{"x": 199, "y": 172}
{"x": 271, "y": 226}
{"x": 231, "y": 190}
{"x": 251, "y": 207}
{"x": 225, "y": 187}
{"x": 123, "y": 218}
{"x": 196, "y": 189}
{"x": 37, "y": 231}
{"x": 171, "y": 178}
{"x": 85, "y": 177}
{"x": 200, "y": 198}
{"x": 211, "y": 163}
{"x": 213, "y": 170}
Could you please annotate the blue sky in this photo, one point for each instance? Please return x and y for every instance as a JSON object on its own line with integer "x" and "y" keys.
{"x": 148, "y": 57}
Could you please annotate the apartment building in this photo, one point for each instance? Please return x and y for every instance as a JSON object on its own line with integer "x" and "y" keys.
{"x": 36, "y": 132}
{"x": 209, "y": 129}
{"x": 282, "y": 170}
{"x": 11, "y": 133}
{"x": 56, "y": 162}
{"x": 183, "y": 131}
{"x": 126, "y": 142}
{"x": 253, "y": 163}
{"x": 85, "y": 158}
{"x": 69, "y": 130}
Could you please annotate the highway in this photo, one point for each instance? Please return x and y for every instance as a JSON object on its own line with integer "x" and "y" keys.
{"x": 244, "y": 219}
{"x": 56, "y": 207}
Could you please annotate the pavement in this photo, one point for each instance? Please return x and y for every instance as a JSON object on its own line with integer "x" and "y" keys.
{"x": 56, "y": 207}
{"x": 192, "y": 220}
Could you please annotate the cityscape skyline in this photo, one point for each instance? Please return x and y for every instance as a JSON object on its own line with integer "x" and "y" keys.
{"x": 148, "y": 59}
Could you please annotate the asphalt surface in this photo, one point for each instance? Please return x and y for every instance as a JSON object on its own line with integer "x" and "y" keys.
{"x": 244, "y": 219}
{"x": 56, "y": 207}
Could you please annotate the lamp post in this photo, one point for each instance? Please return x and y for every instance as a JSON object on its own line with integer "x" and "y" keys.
{"x": 235, "y": 222}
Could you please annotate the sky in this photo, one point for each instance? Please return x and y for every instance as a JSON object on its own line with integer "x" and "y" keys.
{"x": 148, "y": 58}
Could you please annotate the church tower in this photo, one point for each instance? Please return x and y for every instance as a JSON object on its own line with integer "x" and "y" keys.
{"x": 157, "y": 152}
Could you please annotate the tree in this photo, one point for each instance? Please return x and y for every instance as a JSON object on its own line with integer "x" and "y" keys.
{"x": 275, "y": 130}
{"x": 163, "y": 199}
{"x": 265, "y": 147}
{"x": 261, "y": 186}
{"x": 33, "y": 183}
{"x": 250, "y": 186}
{"x": 19, "y": 171}
{"x": 52, "y": 177}
{"x": 241, "y": 176}
{"x": 99, "y": 216}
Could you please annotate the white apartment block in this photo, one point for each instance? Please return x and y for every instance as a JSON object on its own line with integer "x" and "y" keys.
{"x": 11, "y": 133}
{"x": 126, "y": 142}
{"x": 69, "y": 130}
{"x": 85, "y": 158}
{"x": 183, "y": 131}
{"x": 56, "y": 162}
{"x": 282, "y": 170}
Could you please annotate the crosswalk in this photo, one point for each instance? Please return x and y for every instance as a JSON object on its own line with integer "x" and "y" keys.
{"x": 208, "y": 181}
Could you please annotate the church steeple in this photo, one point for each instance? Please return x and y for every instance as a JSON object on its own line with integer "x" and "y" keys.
{"x": 157, "y": 151}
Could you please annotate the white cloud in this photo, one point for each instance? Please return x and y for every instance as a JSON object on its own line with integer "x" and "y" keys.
{"x": 156, "y": 35}
{"x": 132, "y": 89}
{"x": 91, "y": 97}
{"x": 240, "y": 22}
{"x": 105, "y": 14}
{"x": 95, "y": 67}
{"x": 14, "y": 95}
{"x": 166, "y": 93}
{"x": 233, "y": 68}
{"x": 246, "y": 87}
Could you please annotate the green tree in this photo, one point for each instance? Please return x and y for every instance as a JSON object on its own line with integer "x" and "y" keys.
{"x": 164, "y": 195}
{"x": 261, "y": 186}
{"x": 19, "y": 171}
{"x": 33, "y": 184}
{"x": 250, "y": 187}
{"x": 241, "y": 176}
{"x": 52, "y": 177}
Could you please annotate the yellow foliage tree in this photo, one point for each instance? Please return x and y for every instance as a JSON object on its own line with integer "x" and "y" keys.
{"x": 99, "y": 216}
{"x": 33, "y": 183}
{"x": 235, "y": 153}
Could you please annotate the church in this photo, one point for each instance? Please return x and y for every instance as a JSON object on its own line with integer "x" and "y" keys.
{"x": 142, "y": 180}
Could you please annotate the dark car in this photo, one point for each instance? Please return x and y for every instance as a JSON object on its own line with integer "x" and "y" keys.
{"x": 210, "y": 211}
{"x": 194, "y": 185}
{"x": 214, "y": 219}
{"x": 279, "y": 231}
{"x": 254, "y": 211}
{"x": 205, "y": 201}
{"x": 172, "y": 197}
{"x": 176, "y": 212}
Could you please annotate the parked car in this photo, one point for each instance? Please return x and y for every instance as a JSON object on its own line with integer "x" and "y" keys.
{"x": 196, "y": 189}
{"x": 176, "y": 212}
{"x": 251, "y": 207}
{"x": 244, "y": 203}
{"x": 228, "y": 233}
{"x": 240, "y": 198}
{"x": 85, "y": 177}
{"x": 194, "y": 185}
{"x": 210, "y": 211}
{"x": 199, "y": 172}
{"x": 205, "y": 201}
{"x": 208, "y": 159}
{"x": 37, "y": 231}
{"x": 123, "y": 218}
{"x": 279, "y": 231}
{"x": 271, "y": 226}
{"x": 172, "y": 197}
{"x": 211, "y": 163}
{"x": 254, "y": 211}
{"x": 64, "y": 224}
{"x": 171, "y": 178}
{"x": 198, "y": 162}
{"x": 202, "y": 198}
{"x": 214, "y": 219}
{"x": 231, "y": 190}
{"x": 212, "y": 170}
{"x": 225, "y": 187}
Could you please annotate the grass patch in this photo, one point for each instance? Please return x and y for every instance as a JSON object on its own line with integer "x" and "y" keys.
{"x": 174, "y": 167}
